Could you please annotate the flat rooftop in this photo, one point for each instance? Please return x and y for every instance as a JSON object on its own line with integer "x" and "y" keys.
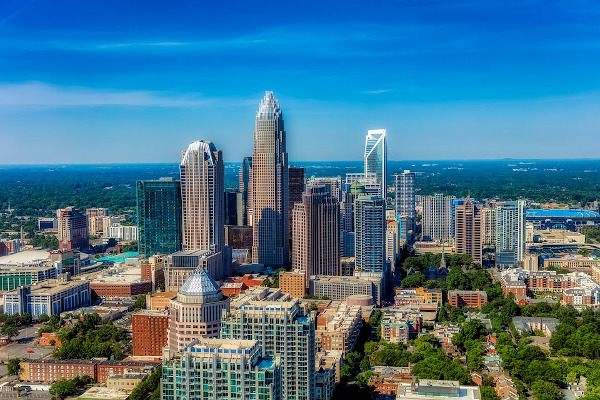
{"x": 26, "y": 258}
{"x": 119, "y": 275}
{"x": 99, "y": 392}
{"x": 574, "y": 213}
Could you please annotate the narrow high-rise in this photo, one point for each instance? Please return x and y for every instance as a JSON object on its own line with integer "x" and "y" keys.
{"x": 376, "y": 157}
{"x": 510, "y": 233}
{"x": 405, "y": 202}
{"x": 370, "y": 227}
{"x": 159, "y": 216}
{"x": 316, "y": 233}
{"x": 244, "y": 187}
{"x": 202, "y": 192}
{"x": 72, "y": 229}
{"x": 469, "y": 229}
{"x": 270, "y": 187}
{"x": 437, "y": 217}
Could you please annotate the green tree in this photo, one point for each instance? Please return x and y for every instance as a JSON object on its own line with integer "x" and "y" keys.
{"x": 25, "y": 319}
{"x": 14, "y": 366}
{"x": 140, "y": 302}
{"x": 43, "y": 318}
{"x": 543, "y": 390}
{"x": 10, "y": 331}
{"x": 63, "y": 388}
{"x": 488, "y": 393}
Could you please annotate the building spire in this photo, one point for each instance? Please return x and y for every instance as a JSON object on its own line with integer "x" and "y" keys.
{"x": 443, "y": 260}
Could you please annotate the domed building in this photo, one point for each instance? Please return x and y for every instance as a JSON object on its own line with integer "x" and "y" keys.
{"x": 196, "y": 311}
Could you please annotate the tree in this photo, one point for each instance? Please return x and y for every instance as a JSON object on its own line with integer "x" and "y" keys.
{"x": 488, "y": 393}
{"x": 63, "y": 388}
{"x": 312, "y": 307}
{"x": 417, "y": 279}
{"x": 14, "y": 366}
{"x": 25, "y": 319}
{"x": 10, "y": 331}
{"x": 43, "y": 318}
{"x": 543, "y": 390}
{"x": 140, "y": 302}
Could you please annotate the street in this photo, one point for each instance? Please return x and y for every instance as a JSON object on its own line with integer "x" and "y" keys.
{"x": 20, "y": 347}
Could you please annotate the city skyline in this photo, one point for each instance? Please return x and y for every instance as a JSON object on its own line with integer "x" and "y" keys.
{"x": 435, "y": 75}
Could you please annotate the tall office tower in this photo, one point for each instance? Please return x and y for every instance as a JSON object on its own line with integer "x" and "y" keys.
{"x": 72, "y": 229}
{"x": 231, "y": 207}
{"x": 489, "y": 224}
{"x": 244, "y": 187}
{"x": 392, "y": 241}
{"x": 347, "y": 225}
{"x": 469, "y": 230}
{"x": 159, "y": 216}
{"x": 284, "y": 329}
{"x": 453, "y": 204}
{"x": 510, "y": 233}
{"x": 296, "y": 185}
{"x": 369, "y": 225}
{"x": 316, "y": 233}
{"x": 376, "y": 157}
{"x": 202, "y": 192}
{"x": 196, "y": 311}
{"x": 437, "y": 218}
{"x": 270, "y": 187}
{"x": 405, "y": 202}
{"x": 333, "y": 186}
{"x": 220, "y": 369}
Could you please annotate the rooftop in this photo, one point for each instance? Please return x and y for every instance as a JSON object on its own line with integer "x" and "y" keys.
{"x": 26, "y": 258}
{"x": 200, "y": 283}
{"x": 574, "y": 213}
{"x": 103, "y": 393}
{"x": 119, "y": 275}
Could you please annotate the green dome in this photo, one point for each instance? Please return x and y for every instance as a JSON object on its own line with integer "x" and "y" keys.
{"x": 357, "y": 188}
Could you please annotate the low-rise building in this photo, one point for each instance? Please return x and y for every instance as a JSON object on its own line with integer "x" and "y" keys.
{"x": 120, "y": 281}
{"x": 340, "y": 287}
{"x": 430, "y": 389}
{"x": 400, "y": 326}
{"x": 49, "y": 339}
{"x": 530, "y": 324}
{"x": 126, "y": 382}
{"x": 109, "y": 368}
{"x": 338, "y": 328}
{"x": 48, "y": 297}
{"x": 386, "y": 380}
{"x": 149, "y": 332}
{"x": 293, "y": 283}
{"x": 327, "y": 374}
{"x": 159, "y": 300}
{"x": 467, "y": 298}
{"x": 419, "y": 296}
{"x": 50, "y": 370}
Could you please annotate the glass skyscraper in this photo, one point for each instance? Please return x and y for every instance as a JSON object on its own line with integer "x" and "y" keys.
{"x": 405, "y": 202}
{"x": 370, "y": 228}
{"x": 159, "y": 216}
{"x": 376, "y": 157}
{"x": 510, "y": 233}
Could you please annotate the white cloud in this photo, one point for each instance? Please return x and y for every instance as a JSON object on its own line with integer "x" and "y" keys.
{"x": 47, "y": 95}
{"x": 380, "y": 91}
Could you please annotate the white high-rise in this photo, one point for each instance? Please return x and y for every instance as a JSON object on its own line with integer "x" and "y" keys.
{"x": 405, "y": 202}
{"x": 510, "y": 233}
{"x": 376, "y": 157}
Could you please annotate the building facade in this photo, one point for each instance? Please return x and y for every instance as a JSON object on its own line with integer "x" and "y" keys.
{"x": 159, "y": 216}
{"x": 510, "y": 233}
{"x": 284, "y": 330}
{"x": 376, "y": 157}
{"x": 270, "y": 187}
{"x": 221, "y": 369}
{"x": 469, "y": 230}
{"x": 196, "y": 312}
{"x": 405, "y": 202}
{"x": 467, "y": 298}
{"x": 370, "y": 228}
{"x": 149, "y": 332}
{"x": 72, "y": 229}
{"x": 296, "y": 189}
{"x": 437, "y": 217}
{"x": 316, "y": 233}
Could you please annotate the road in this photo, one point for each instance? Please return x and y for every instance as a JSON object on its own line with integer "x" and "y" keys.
{"x": 20, "y": 347}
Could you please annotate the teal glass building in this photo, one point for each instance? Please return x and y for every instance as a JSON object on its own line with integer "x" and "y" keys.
{"x": 159, "y": 216}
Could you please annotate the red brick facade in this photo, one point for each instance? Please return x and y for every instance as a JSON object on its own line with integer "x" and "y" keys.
{"x": 149, "y": 332}
{"x": 121, "y": 290}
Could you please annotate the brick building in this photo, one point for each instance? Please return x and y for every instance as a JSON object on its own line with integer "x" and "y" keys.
{"x": 467, "y": 298}
{"x": 110, "y": 368}
{"x": 49, "y": 370}
{"x": 114, "y": 289}
{"x": 149, "y": 332}
{"x": 293, "y": 283}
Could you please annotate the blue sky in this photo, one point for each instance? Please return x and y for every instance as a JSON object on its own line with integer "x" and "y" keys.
{"x": 135, "y": 81}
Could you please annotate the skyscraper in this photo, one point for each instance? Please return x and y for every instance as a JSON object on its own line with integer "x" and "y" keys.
{"x": 510, "y": 233}
{"x": 202, "y": 192}
{"x": 437, "y": 217}
{"x": 333, "y": 185}
{"x": 469, "y": 229}
{"x": 244, "y": 187}
{"x": 270, "y": 187}
{"x": 376, "y": 157}
{"x": 370, "y": 228}
{"x": 316, "y": 233}
{"x": 405, "y": 202}
{"x": 72, "y": 229}
{"x": 159, "y": 216}
{"x": 296, "y": 185}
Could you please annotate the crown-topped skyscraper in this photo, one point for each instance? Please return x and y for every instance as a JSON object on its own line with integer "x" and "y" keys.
{"x": 269, "y": 188}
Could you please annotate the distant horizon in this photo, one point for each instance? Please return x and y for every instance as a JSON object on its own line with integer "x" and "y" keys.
{"x": 291, "y": 162}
